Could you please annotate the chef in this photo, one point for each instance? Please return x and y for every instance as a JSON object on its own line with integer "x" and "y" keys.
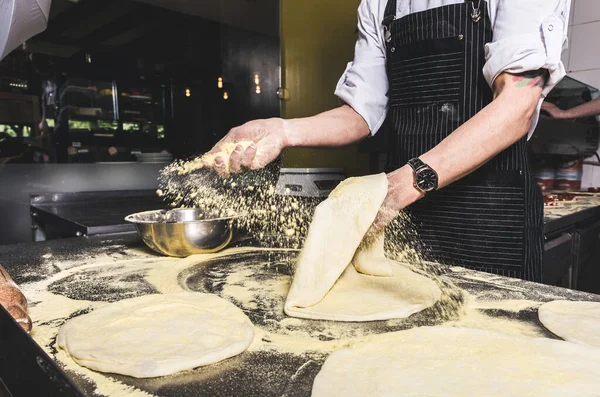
{"x": 461, "y": 82}
{"x": 23, "y": 19}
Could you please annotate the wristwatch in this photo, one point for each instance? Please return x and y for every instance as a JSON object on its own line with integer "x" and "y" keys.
{"x": 425, "y": 177}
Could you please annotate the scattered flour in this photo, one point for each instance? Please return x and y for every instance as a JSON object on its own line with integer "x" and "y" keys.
{"x": 512, "y": 305}
{"x": 256, "y": 287}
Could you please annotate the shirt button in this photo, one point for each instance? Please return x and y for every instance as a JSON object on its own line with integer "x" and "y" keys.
{"x": 551, "y": 27}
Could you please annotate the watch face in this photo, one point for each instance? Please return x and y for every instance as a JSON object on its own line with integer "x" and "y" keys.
{"x": 427, "y": 180}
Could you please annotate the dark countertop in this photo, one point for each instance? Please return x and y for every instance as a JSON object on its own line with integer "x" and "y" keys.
{"x": 100, "y": 214}
{"x": 81, "y": 273}
{"x": 90, "y": 213}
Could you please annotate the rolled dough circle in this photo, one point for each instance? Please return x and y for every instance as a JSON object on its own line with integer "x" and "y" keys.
{"x": 157, "y": 335}
{"x": 577, "y": 322}
{"x": 334, "y": 281}
{"x": 444, "y": 361}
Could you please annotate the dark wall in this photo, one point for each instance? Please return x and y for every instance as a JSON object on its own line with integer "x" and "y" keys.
{"x": 129, "y": 41}
{"x": 245, "y": 55}
{"x": 202, "y": 120}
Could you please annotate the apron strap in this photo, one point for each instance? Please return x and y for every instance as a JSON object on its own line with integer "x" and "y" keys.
{"x": 389, "y": 17}
{"x": 390, "y": 8}
{"x": 389, "y": 14}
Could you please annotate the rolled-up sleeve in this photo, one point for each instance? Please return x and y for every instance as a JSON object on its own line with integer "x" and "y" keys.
{"x": 528, "y": 35}
{"x": 364, "y": 84}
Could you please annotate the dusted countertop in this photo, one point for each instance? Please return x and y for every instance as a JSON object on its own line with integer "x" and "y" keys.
{"x": 65, "y": 278}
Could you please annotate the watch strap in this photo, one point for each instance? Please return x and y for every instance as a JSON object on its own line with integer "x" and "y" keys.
{"x": 416, "y": 164}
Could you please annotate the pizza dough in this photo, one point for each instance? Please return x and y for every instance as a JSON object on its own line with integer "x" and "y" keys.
{"x": 327, "y": 286}
{"x": 577, "y": 322}
{"x": 444, "y": 361}
{"x": 370, "y": 258}
{"x": 157, "y": 335}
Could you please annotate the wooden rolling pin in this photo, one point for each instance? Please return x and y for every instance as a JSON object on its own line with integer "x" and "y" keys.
{"x": 13, "y": 300}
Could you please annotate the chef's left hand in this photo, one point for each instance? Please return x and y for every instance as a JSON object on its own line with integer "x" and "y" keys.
{"x": 401, "y": 193}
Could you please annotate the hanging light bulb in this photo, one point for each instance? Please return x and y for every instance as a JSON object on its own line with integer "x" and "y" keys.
{"x": 225, "y": 95}
{"x": 256, "y": 79}
{"x": 258, "y": 89}
{"x": 188, "y": 92}
{"x": 220, "y": 82}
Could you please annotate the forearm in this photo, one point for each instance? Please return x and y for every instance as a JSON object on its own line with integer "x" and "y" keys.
{"x": 588, "y": 109}
{"x": 493, "y": 129}
{"x": 338, "y": 127}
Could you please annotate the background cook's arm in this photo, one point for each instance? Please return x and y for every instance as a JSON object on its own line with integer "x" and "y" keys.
{"x": 591, "y": 108}
{"x": 13, "y": 300}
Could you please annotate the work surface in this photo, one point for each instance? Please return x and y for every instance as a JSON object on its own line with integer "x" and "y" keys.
{"x": 66, "y": 278}
{"x": 581, "y": 208}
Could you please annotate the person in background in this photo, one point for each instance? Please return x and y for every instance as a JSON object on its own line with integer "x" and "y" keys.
{"x": 588, "y": 109}
{"x": 462, "y": 83}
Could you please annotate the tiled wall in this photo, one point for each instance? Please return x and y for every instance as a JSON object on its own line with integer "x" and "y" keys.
{"x": 582, "y": 59}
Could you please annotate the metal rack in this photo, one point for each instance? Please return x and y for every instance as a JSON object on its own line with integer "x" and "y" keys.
{"x": 98, "y": 116}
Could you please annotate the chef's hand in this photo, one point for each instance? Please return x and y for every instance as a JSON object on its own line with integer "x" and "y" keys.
{"x": 554, "y": 110}
{"x": 248, "y": 147}
{"x": 401, "y": 193}
{"x": 13, "y": 300}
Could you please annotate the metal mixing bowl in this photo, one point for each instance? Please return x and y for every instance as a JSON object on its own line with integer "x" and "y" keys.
{"x": 182, "y": 232}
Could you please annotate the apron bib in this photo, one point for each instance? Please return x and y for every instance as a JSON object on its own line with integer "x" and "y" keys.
{"x": 492, "y": 219}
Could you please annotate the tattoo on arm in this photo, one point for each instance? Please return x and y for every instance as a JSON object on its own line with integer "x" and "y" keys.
{"x": 534, "y": 78}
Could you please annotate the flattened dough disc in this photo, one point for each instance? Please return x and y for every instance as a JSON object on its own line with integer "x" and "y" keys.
{"x": 156, "y": 335}
{"x": 359, "y": 297}
{"x": 577, "y": 322}
{"x": 444, "y": 361}
{"x": 327, "y": 286}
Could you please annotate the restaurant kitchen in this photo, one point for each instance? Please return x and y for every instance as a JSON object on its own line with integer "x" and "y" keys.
{"x": 96, "y": 105}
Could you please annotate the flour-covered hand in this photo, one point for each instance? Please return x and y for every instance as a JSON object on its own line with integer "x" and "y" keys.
{"x": 248, "y": 147}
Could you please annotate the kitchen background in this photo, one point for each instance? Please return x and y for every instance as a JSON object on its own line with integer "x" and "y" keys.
{"x": 582, "y": 60}
{"x": 92, "y": 108}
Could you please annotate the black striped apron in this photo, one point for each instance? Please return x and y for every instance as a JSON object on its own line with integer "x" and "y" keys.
{"x": 492, "y": 219}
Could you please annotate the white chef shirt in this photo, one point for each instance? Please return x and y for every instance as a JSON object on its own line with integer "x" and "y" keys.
{"x": 527, "y": 35}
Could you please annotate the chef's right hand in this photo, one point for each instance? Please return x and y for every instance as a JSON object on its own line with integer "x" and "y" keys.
{"x": 13, "y": 300}
{"x": 248, "y": 147}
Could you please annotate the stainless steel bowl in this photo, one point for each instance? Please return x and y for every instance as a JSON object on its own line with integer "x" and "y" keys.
{"x": 182, "y": 232}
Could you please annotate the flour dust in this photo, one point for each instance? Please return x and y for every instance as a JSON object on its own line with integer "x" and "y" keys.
{"x": 282, "y": 221}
